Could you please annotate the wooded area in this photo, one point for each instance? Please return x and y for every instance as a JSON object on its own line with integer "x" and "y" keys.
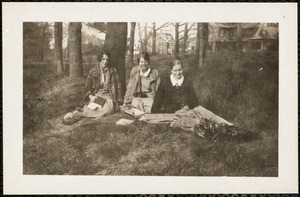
{"x": 37, "y": 38}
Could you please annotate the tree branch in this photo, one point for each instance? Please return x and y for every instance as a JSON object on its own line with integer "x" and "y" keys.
{"x": 191, "y": 34}
{"x": 191, "y": 26}
{"x": 164, "y": 25}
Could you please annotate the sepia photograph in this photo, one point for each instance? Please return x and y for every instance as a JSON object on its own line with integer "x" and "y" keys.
{"x": 154, "y": 99}
{"x": 188, "y": 98}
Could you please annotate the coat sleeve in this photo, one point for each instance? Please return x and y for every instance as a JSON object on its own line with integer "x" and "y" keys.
{"x": 158, "y": 99}
{"x": 192, "y": 97}
{"x": 157, "y": 81}
{"x": 129, "y": 91}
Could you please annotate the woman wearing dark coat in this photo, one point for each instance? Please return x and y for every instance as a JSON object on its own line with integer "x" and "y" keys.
{"x": 175, "y": 92}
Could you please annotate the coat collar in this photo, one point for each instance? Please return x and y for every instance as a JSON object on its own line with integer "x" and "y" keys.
{"x": 145, "y": 74}
{"x": 174, "y": 81}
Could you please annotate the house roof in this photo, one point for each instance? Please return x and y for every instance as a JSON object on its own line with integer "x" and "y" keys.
{"x": 230, "y": 26}
{"x": 167, "y": 37}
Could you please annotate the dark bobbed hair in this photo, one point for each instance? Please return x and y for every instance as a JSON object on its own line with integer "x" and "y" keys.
{"x": 145, "y": 56}
{"x": 100, "y": 55}
{"x": 175, "y": 62}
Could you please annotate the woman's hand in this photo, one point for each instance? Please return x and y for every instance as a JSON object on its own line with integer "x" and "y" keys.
{"x": 186, "y": 108}
{"x": 92, "y": 98}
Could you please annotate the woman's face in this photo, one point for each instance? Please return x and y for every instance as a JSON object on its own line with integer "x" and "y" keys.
{"x": 104, "y": 61}
{"x": 177, "y": 71}
{"x": 144, "y": 64}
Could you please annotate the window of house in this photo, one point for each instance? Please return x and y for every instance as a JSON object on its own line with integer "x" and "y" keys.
{"x": 221, "y": 32}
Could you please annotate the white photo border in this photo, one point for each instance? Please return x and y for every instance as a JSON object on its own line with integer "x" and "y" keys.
{"x": 13, "y": 16}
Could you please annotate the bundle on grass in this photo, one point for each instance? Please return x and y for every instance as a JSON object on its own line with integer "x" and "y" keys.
{"x": 204, "y": 123}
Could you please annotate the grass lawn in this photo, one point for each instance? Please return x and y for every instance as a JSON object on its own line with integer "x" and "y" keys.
{"x": 243, "y": 91}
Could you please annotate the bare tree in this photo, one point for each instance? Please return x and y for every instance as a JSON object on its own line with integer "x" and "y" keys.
{"x": 203, "y": 41}
{"x": 75, "y": 53}
{"x": 239, "y": 39}
{"x": 36, "y": 38}
{"x": 115, "y": 43}
{"x": 176, "y": 49}
{"x": 58, "y": 47}
{"x": 131, "y": 45}
{"x": 42, "y": 42}
{"x": 154, "y": 38}
{"x": 140, "y": 37}
{"x": 145, "y": 37}
{"x": 197, "y": 42}
{"x": 185, "y": 37}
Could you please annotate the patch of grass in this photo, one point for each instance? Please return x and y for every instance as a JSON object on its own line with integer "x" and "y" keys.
{"x": 232, "y": 88}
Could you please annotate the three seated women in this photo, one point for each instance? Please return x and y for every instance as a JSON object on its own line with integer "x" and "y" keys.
{"x": 145, "y": 90}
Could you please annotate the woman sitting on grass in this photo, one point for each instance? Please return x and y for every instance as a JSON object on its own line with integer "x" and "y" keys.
{"x": 104, "y": 92}
{"x": 142, "y": 85}
{"x": 175, "y": 92}
{"x": 104, "y": 89}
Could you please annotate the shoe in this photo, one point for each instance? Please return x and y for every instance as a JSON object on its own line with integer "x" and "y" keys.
{"x": 70, "y": 118}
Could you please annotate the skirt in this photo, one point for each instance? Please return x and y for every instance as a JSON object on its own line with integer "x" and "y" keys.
{"x": 108, "y": 107}
{"x": 143, "y": 104}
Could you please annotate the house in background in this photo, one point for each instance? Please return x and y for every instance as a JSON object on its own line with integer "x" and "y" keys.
{"x": 136, "y": 47}
{"x": 165, "y": 43}
{"x": 265, "y": 38}
{"x": 255, "y": 36}
{"x": 191, "y": 45}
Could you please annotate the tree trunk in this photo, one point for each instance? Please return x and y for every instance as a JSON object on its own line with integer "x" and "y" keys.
{"x": 203, "y": 39}
{"x": 239, "y": 39}
{"x": 185, "y": 37}
{"x": 197, "y": 42}
{"x": 75, "y": 54}
{"x": 176, "y": 49}
{"x": 141, "y": 40}
{"x": 154, "y": 39}
{"x": 58, "y": 47}
{"x": 145, "y": 37}
{"x": 42, "y": 42}
{"x": 115, "y": 43}
{"x": 131, "y": 45}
